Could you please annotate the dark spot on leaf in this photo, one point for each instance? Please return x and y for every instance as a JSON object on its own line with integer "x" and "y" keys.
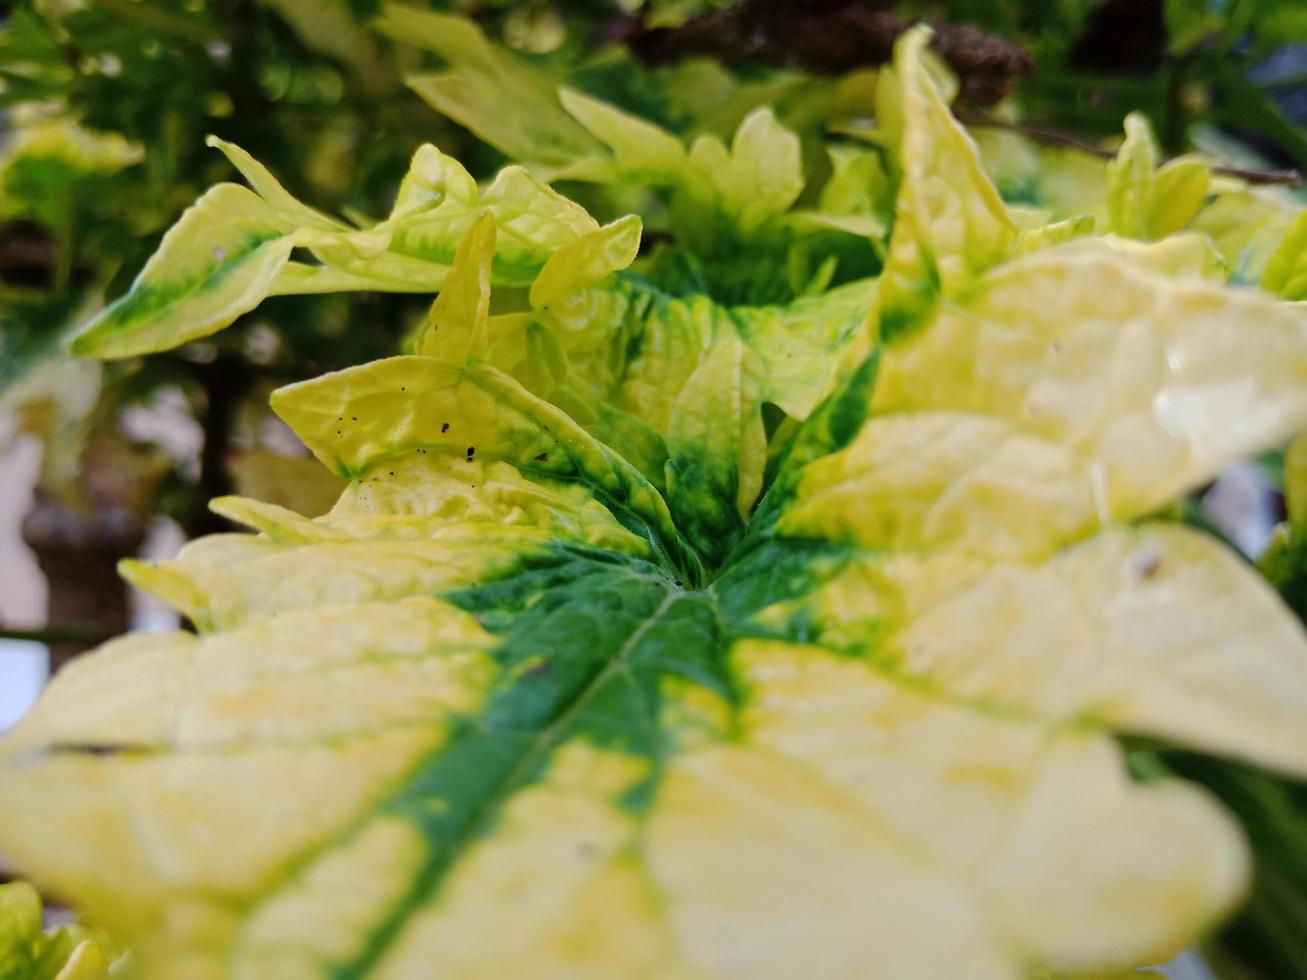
{"x": 471, "y": 451}
{"x": 1147, "y": 564}
{"x": 95, "y": 748}
{"x": 445, "y": 427}
{"x": 542, "y": 458}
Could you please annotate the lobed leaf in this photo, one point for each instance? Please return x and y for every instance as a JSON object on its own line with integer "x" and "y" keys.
{"x": 837, "y": 699}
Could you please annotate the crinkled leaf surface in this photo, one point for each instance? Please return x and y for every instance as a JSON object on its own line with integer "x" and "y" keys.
{"x": 677, "y": 385}
{"x": 834, "y": 700}
{"x": 493, "y": 713}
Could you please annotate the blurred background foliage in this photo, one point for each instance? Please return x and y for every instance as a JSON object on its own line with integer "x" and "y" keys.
{"x": 105, "y": 105}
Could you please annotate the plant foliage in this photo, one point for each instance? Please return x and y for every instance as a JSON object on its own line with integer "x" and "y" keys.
{"x": 713, "y": 612}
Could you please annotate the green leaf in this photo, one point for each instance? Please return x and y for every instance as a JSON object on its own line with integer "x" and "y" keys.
{"x": 509, "y": 708}
{"x": 233, "y": 248}
{"x": 639, "y": 148}
{"x": 1246, "y": 226}
{"x": 511, "y": 105}
{"x": 656, "y": 634}
{"x": 20, "y": 928}
{"x": 1144, "y": 201}
{"x": 69, "y": 952}
{"x": 46, "y": 162}
{"x": 1286, "y": 268}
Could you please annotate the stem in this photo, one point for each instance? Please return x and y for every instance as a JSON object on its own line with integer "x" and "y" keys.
{"x": 81, "y": 635}
{"x": 1173, "y": 124}
{"x": 225, "y": 382}
{"x": 1293, "y": 178}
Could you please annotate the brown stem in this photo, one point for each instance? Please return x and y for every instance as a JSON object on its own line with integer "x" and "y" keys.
{"x": 830, "y": 37}
{"x": 1290, "y": 177}
{"x": 225, "y": 381}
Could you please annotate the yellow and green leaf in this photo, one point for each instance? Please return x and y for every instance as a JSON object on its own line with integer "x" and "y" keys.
{"x": 949, "y": 222}
{"x": 835, "y": 696}
{"x": 1148, "y": 201}
{"x": 27, "y": 952}
{"x": 495, "y": 685}
{"x": 233, "y": 248}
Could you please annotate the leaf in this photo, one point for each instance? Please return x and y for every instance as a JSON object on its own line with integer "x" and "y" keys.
{"x": 219, "y": 261}
{"x": 46, "y": 161}
{"x": 1286, "y": 269}
{"x": 1144, "y": 201}
{"x": 1179, "y": 190}
{"x": 762, "y": 174}
{"x": 69, "y": 952}
{"x": 639, "y": 148}
{"x": 1130, "y": 179}
{"x": 233, "y": 248}
{"x": 463, "y": 307}
{"x": 950, "y": 223}
{"x": 858, "y": 194}
{"x": 500, "y": 710}
{"x": 1246, "y": 226}
{"x": 20, "y": 927}
{"x": 294, "y": 482}
{"x": 676, "y": 385}
{"x": 1284, "y": 562}
{"x": 511, "y": 105}
{"x": 753, "y": 181}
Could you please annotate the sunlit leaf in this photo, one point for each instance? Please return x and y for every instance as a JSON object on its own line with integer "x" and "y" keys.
{"x": 950, "y": 223}
{"x": 660, "y": 635}
{"x": 233, "y": 248}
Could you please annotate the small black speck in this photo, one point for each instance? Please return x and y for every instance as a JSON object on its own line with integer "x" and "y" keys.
{"x": 337, "y": 432}
{"x": 353, "y": 418}
{"x": 340, "y": 418}
{"x": 403, "y": 388}
{"x": 678, "y": 583}
{"x": 542, "y": 458}
{"x": 445, "y": 427}
{"x": 392, "y": 472}
{"x": 471, "y": 451}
